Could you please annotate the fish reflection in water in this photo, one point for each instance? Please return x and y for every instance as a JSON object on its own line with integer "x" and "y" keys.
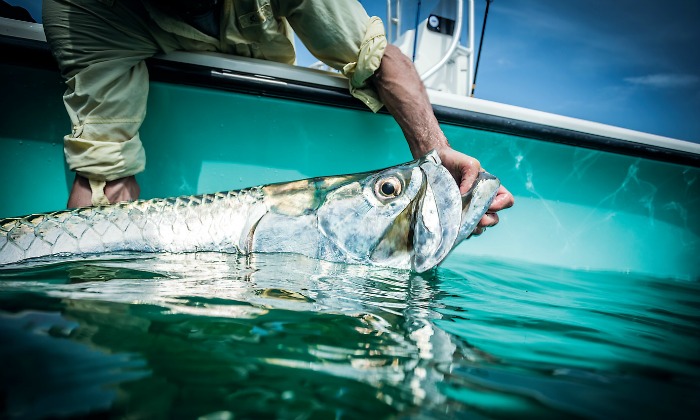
{"x": 222, "y": 336}
{"x": 217, "y": 334}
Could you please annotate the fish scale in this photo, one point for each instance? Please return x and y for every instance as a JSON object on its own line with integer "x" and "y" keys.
{"x": 351, "y": 219}
{"x": 145, "y": 225}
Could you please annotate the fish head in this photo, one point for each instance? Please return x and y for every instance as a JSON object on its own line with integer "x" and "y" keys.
{"x": 408, "y": 216}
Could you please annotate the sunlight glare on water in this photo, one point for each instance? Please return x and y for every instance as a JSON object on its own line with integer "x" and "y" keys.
{"x": 224, "y": 336}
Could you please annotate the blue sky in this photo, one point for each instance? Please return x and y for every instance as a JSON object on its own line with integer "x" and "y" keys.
{"x": 633, "y": 64}
{"x": 628, "y": 63}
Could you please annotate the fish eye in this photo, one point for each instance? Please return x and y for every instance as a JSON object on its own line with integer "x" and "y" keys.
{"x": 388, "y": 187}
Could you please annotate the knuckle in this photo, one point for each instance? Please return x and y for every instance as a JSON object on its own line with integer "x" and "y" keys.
{"x": 473, "y": 163}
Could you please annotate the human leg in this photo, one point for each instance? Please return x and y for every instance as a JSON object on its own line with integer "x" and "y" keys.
{"x": 100, "y": 46}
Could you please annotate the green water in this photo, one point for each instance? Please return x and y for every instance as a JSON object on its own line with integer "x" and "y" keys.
{"x": 273, "y": 336}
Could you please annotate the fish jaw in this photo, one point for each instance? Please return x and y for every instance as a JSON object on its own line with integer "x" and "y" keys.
{"x": 436, "y": 220}
{"x": 476, "y": 202}
{"x": 437, "y": 217}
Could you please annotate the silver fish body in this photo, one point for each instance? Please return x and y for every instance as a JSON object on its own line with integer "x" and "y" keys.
{"x": 408, "y": 216}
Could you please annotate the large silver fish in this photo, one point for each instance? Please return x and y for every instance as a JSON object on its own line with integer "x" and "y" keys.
{"x": 408, "y": 216}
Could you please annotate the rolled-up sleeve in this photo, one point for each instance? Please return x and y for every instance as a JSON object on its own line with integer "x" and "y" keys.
{"x": 342, "y": 35}
{"x": 107, "y": 106}
{"x": 100, "y": 47}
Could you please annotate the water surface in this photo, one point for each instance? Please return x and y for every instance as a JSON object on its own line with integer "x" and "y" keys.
{"x": 223, "y": 336}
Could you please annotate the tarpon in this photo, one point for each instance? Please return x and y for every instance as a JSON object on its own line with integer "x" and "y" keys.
{"x": 408, "y": 216}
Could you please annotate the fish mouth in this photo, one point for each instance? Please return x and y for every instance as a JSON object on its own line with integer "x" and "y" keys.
{"x": 438, "y": 216}
{"x": 475, "y": 203}
{"x": 417, "y": 230}
{"x": 444, "y": 219}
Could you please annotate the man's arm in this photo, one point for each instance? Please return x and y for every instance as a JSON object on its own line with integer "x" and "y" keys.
{"x": 405, "y": 97}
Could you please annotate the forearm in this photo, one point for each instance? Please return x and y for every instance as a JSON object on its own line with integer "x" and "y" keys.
{"x": 405, "y": 97}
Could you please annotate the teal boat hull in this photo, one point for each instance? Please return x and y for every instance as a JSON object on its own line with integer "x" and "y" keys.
{"x": 576, "y": 207}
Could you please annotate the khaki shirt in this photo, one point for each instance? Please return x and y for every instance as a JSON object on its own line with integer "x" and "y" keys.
{"x": 107, "y": 80}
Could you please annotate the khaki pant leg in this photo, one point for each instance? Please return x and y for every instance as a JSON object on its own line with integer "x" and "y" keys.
{"x": 100, "y": 46}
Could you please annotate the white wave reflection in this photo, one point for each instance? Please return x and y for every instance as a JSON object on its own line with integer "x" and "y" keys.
{"x": 390, "y": 340}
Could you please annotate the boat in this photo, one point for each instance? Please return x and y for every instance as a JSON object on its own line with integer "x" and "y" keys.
{"x": 588, "y": 196}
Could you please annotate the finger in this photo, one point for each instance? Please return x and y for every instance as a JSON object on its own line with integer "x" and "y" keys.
{"x": 469, "y": 171}
{"x": 488, "y": 220}
{"x": 463, "y": 168}
{"x": 504, "y": 199}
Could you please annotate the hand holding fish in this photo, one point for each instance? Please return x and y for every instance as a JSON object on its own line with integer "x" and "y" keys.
{"x": 405, "y": 97}
{"x": 409, "y": 216}
{"x": 465, "y": 169}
